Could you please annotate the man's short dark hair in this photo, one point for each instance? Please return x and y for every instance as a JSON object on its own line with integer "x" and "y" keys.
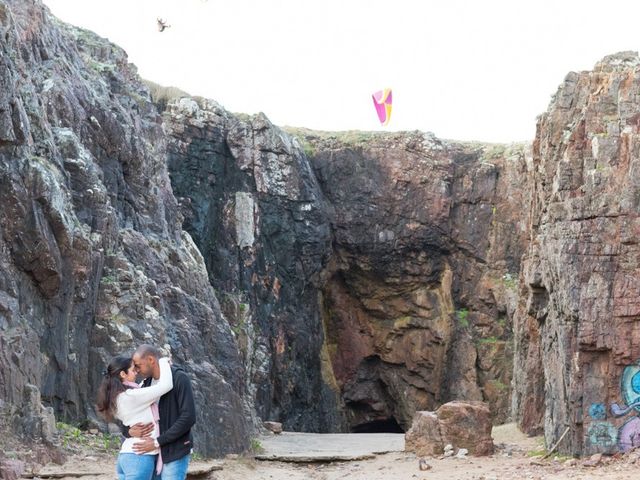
{"x": 146, "y": 350}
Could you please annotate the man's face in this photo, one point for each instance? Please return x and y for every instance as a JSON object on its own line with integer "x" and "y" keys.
{"x": 143, "y": 365}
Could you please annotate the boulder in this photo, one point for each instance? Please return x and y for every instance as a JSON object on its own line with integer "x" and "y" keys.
{"x": 275, "y": 427}
{"x": 424, "y": 436}
{"x": 465, "y": 425}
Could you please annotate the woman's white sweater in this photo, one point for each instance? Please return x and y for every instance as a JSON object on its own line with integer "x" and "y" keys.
{"x": 134, "y": 405}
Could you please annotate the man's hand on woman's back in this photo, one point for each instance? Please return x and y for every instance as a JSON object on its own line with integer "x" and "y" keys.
{"x": 141, "y": 429}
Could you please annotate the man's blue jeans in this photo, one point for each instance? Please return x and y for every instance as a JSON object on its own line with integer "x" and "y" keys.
{"x": 132, "y": 466}
{"x": 176, "y": 470}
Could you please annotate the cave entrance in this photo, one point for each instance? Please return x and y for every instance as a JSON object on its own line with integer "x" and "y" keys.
{"x": 385, "y": 425}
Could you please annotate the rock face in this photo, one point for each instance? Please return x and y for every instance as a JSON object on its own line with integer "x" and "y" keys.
{"x": 257, "y": 214}
{"x": 420, "y": 289}
{"x": 93, "y": 259}
{"x": 577, "y": 330}
{"x": 366, "y": 278}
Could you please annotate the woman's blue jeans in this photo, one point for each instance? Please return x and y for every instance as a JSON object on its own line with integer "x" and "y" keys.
{"x": 132, "y": 466}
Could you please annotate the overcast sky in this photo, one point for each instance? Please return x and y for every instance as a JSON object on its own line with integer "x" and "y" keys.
{"x": 464, "y": 70}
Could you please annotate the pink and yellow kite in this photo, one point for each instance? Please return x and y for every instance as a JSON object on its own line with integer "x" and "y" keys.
{"x": 382, "y": 100}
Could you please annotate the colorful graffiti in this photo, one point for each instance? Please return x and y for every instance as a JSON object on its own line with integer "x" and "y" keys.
{"x": 628, "y": 435}
{"x": 598, "y": 411}
{"x": 603, "y": 436}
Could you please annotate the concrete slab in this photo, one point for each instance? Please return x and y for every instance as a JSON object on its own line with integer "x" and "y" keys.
{"x": 328, "y": 447}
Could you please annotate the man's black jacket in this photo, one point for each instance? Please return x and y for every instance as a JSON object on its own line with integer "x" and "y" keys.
{"x": 177, "y": 415}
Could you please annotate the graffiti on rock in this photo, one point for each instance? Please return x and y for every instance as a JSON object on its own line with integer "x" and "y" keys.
{"x": 603, "y": 436}
{"x": 629, "y": 432}
{"x": 598, "y": 411}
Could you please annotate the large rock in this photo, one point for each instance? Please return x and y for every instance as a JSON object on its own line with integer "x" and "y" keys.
{"x": 466, "y": 425}
{"x": 461, "y": 424}
{"x": 424, "y": 438}
{"x": 275, "y": 427}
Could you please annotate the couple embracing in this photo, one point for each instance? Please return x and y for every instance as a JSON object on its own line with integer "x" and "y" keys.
{"x": 157, "y": 415}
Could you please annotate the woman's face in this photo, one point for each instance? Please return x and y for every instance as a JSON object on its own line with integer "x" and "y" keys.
{"x": 129, "y": 375}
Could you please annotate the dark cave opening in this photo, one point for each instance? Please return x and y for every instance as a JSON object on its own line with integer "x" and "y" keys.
{"x": 385, "y": 425}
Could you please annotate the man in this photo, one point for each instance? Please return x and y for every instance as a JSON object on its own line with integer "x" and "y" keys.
{"x": 177, "y": 416}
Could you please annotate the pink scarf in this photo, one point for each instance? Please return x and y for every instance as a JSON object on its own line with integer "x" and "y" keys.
{"x": 156, "y": 419}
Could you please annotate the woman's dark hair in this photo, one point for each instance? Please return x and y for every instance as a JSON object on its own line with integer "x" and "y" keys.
{"x": 111, "y": 386}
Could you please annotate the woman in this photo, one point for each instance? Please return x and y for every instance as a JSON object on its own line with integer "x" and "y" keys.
{"x": 120, "y": 397}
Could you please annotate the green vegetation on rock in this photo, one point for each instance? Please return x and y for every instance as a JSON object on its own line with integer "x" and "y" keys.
{"x": 462, "y": 315}
{"x": 74, "y": 439}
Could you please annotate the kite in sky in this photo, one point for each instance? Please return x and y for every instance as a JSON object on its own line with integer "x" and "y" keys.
{"x": 382, "y": 100}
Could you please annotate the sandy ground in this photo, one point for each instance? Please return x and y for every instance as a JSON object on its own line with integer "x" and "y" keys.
{"x": 512, "y": 460}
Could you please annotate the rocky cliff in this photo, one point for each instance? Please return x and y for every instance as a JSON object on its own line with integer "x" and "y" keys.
{"x": 331, "y": 281}
{"x": 577, "y": 330}
{"x": 93, "y": 258}
{"x": 366, "y": 276}
{"x": 419, "y": 292}
{"x": 255, "y": 210}
{"x": 334, "y": 282}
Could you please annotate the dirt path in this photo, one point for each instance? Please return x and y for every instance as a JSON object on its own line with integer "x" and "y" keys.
{"x": 511, "y": 461}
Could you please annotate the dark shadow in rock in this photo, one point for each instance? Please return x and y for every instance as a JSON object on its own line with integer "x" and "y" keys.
{"x": 386, "y": 425}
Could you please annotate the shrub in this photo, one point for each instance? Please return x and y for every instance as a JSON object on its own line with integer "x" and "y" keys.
{"x": 462, "y": 315}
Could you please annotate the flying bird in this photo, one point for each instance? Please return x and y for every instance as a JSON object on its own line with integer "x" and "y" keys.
{"x": 162, "y": 24}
